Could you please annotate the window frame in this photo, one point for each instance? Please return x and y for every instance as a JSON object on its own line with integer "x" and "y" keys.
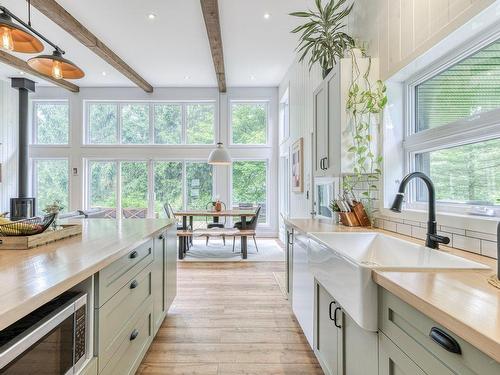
{"x": 230, "y": 123}
{"x": 33, "y": 174}
{"x": 267, "y": 223}
{"x": 472, "y": 129}
{"x": 34, "y": 122}
{"x": 151, "y": 105}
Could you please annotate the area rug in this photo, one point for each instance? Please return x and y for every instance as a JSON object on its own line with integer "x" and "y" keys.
{"x": 269, "y": 251}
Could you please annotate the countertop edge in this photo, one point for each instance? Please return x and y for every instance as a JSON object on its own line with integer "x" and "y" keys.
{"x": 12, "y": 315}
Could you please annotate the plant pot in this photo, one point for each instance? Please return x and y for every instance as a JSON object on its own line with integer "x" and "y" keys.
{"x": 218, "y": 206}
{"x": 326, "y": 72}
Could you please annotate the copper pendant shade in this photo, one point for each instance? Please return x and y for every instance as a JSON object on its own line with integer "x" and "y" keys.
{"x": 15, "y": 38}
{"x": 56, "y": 65}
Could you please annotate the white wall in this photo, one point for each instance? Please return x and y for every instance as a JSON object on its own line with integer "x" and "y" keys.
{"x": 77, "y": 152}
{"x": 9, "y": 129}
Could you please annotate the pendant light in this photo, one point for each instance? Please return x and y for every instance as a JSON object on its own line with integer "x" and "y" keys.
{"x": 56, "y": 65}
{"x": 219, "y": 156}
{"x": 15, "y": 38}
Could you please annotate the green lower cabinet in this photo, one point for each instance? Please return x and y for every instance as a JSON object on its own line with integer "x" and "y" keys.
{"x": 392, "y": 360}
{"x": 409, "y": 331}
{"x": 158, "y": 281}
{"x": 341, "y": 346}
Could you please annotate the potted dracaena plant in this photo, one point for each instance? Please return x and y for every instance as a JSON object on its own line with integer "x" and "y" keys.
{"x": 321, "y": 37}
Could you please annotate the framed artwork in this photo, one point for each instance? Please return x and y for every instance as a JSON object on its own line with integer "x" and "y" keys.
{"x": 298, "y": 166}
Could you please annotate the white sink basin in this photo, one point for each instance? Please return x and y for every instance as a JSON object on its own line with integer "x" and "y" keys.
{"x": 342, "y": 263}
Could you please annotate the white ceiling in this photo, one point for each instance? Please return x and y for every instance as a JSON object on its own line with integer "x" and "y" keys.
{"x": 173, "y": 49}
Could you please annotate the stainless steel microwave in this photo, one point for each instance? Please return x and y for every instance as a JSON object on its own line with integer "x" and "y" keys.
{"x": 325, "y": 190}
{"x": 52, "y": 340}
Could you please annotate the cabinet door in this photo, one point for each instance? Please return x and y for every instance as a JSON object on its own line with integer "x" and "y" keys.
{"x": 393, "y": 361}
{"x": 170, "y": 266}
{"x": 327, "y": 343}
{"x": 358, "y": 343}
{"x": 334, "y": 122}
{"x": 320, "y": 130}
{"x": 303, "y": 286}
{"x": 158, "y": 281}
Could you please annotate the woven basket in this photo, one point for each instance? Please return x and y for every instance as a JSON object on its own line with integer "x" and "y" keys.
{"x": 27, "y": 227}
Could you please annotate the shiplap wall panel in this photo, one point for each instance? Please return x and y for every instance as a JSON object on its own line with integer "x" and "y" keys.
{"x": 408, "y": 28}
{"x": 301, "y": 83}
{"x": 9, "y": 140}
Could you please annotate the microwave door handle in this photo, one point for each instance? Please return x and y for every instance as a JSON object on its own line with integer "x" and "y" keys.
{"x": 32, "y": 337}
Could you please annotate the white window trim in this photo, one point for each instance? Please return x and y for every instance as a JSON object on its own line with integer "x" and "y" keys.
{"x": 151, "y": 104}
{"x": 230, "y": 123}
{"x": 267, "y": 224}
{"x": 34, "y": 122}
{"x": 284, "y": 126}
{"x": 472, "y": 129}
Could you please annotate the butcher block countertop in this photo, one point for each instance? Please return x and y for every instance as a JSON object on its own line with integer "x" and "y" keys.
{"x": 31, "y": 278}
{"x": 461, "y": 300}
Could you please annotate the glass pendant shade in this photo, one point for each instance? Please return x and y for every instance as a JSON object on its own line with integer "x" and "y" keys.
{"x": 56, "y": 66}
{"x": 219, "y": 156}
{"x": 15, "y": 38}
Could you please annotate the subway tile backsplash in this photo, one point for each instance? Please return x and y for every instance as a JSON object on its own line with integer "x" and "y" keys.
{"x": 472, "y": 241}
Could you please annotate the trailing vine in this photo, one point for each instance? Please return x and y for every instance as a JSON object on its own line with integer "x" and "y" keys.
{"x": 365, "y": 103}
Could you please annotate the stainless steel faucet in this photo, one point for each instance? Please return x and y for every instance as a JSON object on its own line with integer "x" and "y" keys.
{"x": 433, "y": 239}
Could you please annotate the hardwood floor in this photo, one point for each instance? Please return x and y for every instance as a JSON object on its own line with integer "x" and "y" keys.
{"x": 230, "y": 319}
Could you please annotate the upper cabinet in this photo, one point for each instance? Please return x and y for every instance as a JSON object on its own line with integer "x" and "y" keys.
{"x": 333, "y": 126}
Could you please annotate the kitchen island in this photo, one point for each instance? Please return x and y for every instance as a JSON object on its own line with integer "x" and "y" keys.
{"x": 113, "y": 257}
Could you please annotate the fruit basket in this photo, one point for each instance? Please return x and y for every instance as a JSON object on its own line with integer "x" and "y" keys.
{"x": 27, "y": 227}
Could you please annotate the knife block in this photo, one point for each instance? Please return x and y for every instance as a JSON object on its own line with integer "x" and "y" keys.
{"x": 349, "y": 219}
{"x": 361, "y": 215}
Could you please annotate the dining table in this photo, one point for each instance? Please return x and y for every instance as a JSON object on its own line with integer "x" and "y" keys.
{"x": 188, "y": 215}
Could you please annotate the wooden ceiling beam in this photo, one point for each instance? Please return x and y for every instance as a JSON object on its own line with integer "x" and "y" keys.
{"x": 210, "y": 9}
{"x": 23, "y": 66}
{"x": 70, "y": 24}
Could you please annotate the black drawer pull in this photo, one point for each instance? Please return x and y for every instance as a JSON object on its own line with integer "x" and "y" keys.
{"x": 134, "y": 335}
{"x": 160, "y": 237}
{"x": 335, "y": 317}
{"x": 330, "y": 310}
{"x": 134, "y": 284}
{"x": 445, "y": 340}
{"x": 134, "y": 254}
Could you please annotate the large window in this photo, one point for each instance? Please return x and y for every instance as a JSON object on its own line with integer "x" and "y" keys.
{"x": 249, "y": 186}
{"x": 125, "y": 186}
{"x": 51, "y": 123}
{"x": 454, "y": 132}
{"x": 249, "y": 123}
{"x": 143, "y": 123}
{"x": 51, "y": 182}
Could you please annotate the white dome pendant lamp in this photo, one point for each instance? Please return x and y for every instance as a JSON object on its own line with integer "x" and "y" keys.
{"x": 219, "y": 156}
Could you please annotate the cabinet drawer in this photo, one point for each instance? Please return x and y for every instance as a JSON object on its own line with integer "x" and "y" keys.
{"x": 132, "y": 344}
{"x": 409, "y": 329}
{"x": 91, "y": 368}
{"x": 117, "y": 274}
{"x": 114, "y": 314}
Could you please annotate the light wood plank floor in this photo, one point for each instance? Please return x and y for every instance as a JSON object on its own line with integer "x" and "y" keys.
{"x": 230, "y": 319}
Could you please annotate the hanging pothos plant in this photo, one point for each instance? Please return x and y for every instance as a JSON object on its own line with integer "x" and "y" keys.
{"x": 322, "y": 38}
{"x": 365, "y": 103}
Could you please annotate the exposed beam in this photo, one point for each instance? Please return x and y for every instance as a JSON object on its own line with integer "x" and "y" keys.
{"x": 66, "y": 21}
{"x": 21, "y": 65}
{"x": 210, "y": 9}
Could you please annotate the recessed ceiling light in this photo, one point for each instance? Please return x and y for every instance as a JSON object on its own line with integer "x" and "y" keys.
{"x": 267, "y": 16}
{"x": 151, "y": 16}
{"x": 21, "y": 72}
{"x": 187, "y": 77}
{"x": 252, "y": 78}
{"x": 104, "y": 74}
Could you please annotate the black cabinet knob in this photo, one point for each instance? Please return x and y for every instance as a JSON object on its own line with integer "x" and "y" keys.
{"x": 134, "y": 335}
{"x": 134, "y": 254}
{"x": 134, "y": 284}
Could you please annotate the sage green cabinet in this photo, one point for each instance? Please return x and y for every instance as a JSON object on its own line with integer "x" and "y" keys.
{"x": 164, "y": 275}
{"x": 392, "y": 360}
{"x": 341, "y": 346}
{"x": 327, "y": 335}
{"x": 409, "y": 330}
